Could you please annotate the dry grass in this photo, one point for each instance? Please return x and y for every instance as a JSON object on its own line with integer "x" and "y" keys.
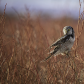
{"x": 23, "y": 43}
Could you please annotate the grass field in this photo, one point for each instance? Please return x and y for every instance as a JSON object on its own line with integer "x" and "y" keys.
{"x": 23, "y": 42}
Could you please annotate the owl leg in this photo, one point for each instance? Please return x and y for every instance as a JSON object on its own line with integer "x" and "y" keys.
{"x": 67, "y": 53}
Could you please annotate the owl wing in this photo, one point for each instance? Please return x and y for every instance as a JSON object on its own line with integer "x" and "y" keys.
{"x": 57, "y": 45}
{"x": 61, "y": 40}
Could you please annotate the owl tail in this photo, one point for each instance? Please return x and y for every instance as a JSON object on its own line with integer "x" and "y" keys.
{"x": 51, "y": 54}
{"x": 48, "y": 57}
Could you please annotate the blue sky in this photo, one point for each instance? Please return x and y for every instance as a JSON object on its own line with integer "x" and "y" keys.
{"x": 55, "y": 7}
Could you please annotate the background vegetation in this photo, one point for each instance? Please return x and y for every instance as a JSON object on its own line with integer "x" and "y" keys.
{"x": 23, "y": 41}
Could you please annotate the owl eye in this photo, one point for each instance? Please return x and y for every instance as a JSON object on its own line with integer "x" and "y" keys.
{"x": 68, "y": 29}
